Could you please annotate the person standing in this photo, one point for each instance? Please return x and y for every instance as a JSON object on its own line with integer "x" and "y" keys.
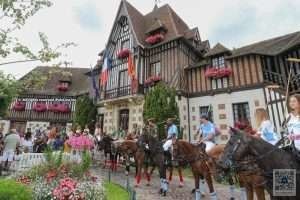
{"x": 265, "y": 127}
{"x": 153, "y": 129}
{"x": 11, "y": 142}
{"x": 293, "y": 120}
{"x": 27, "y": 144}
{"x": 207, "y": 131}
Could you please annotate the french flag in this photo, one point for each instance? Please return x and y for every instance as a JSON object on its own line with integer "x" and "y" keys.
{"x": 105, "y": 68}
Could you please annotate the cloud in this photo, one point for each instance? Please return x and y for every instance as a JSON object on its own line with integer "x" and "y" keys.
{"x": 88, "y": 17}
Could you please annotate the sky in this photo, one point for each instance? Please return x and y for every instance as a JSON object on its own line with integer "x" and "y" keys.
{"x": 234, "y": 23}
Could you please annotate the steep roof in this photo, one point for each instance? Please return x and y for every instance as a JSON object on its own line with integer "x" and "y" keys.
{"x": 79, "y": 81}
{"x": 160, "y": 16}
{"x": 271, "y": 46}
{"x": 217, "y": 49}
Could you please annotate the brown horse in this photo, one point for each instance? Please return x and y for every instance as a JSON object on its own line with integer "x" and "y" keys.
{"x": 250, "y": 180}
{"x": 198, "y": 160}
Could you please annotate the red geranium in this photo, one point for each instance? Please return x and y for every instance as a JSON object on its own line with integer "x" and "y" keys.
{"x": 59, "y": 108}
{"x": 154, "y": 39}
{"x": 62, "y": 87}
{"x": 39, "y": 107}
{"x": 152, "y": 80}
{"x": 214, "y": 72}
{"x": 19, "y": 106}
{"x": 124, "y": 53}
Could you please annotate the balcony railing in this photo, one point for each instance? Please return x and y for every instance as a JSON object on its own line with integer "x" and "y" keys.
{"x": 121, "y": 92}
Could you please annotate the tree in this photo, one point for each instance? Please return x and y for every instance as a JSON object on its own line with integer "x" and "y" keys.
{"x": 9, "y": 88}
{"x": 85, "y": 112}
{"x": 160, "y": 104}
{"x": 14, "y": 14}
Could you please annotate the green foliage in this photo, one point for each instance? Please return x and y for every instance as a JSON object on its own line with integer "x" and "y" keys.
{"x": 115, "y": 192}
{"x": 80, "y": 169}
{"x": 11, "y": 190}
{"x": 9, "y": 88}
{"x": 85, "y": 111}
{"x": 160, "y": 104}
{"x": 53, "y": 159}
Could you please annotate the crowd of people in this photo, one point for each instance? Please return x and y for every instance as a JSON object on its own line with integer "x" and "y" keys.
{"x": 14, "y": 142}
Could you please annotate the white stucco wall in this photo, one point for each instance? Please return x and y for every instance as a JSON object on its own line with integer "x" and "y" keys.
{"x": 255, "y": 99}
{"x": 35, "y": 125}
{"x": 5, "y": 124}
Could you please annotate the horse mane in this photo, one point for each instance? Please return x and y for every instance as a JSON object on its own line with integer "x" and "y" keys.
{"x": 187, "y": 147}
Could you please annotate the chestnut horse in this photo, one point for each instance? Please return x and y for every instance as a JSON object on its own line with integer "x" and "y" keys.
{"x": 183, "y": 151}
{"x": 248, "y": 179}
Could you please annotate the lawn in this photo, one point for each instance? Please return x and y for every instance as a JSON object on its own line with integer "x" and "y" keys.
{"x": 115, "y": 192}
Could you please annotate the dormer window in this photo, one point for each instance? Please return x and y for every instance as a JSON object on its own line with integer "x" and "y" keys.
{"x": 218, "y": 62}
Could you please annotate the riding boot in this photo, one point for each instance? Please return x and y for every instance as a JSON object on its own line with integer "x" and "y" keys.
{"x": 202, "y": 187}
{"x": 161, "y": 186}
{"x": 231, "y": 192}
{"x": 243, "y": 194}
{"x": 165, "y": 187}
{"x": 167, "y": 157}
{"x": 198, "y": 194}
{"x": 213, "y": 196}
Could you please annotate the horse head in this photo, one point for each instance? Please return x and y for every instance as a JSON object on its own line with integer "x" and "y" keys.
{"x": 105, "y": 143}
{"x": 236, "y": 148}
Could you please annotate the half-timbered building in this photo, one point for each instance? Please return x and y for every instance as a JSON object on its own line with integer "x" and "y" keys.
{"x": 230, "y": 84}
{"x": 51, "y": 104}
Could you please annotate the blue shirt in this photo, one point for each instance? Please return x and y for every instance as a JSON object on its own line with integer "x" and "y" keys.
{"x": 206, "y": 129}
{"x": 172, "y": 130}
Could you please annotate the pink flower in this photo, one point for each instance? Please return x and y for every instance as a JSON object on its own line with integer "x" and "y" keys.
{"x": 65, "y": 189}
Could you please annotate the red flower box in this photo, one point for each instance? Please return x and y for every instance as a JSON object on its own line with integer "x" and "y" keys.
{"x": 152, "y": 80}
{"x": 62, "y": 88}
{"x": 214, "y": 72}
{"x": 19, "y": 106}
{"x": 59, "y": 108}
{"x": 154, "y": 39}
{"x": 39, "y": 107}
{"x": 124, "y": 53}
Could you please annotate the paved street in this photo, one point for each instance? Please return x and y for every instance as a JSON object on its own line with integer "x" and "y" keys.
{"x": 151, "y": 192}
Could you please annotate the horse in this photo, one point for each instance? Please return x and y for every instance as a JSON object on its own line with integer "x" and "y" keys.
{"x": 267, "y": 157}
{"x": 106, "y": 144}
{"x": 248, "y": 180}
{"x": 154, "y": 147}
{"x": 197, "y": 159}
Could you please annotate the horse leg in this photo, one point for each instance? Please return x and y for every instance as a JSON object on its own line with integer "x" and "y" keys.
{"x": 159, "y": 161}
{"x": 170, "y": 173}
{"x": 202, "y": 185}
{"x": 197, "y": 190}
{"x": 213, "y": 194}
{"x": 249, "y": 190}
{"x": 231, "y": 187}
{"x": 242, "y": 187}
{"x": 260, "y": 193}
{"x": 180, "y": 177}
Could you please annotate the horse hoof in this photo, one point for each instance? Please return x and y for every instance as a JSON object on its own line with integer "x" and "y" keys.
{"x": 164, "y": 193}
{"x": 181, "y": 185}
{"x": 232, "y": 198}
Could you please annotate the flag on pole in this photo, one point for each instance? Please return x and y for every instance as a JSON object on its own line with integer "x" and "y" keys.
{"x": 131, "y": 66}
{"x": 94, "y": 84}
{"x": 105, "y": 68}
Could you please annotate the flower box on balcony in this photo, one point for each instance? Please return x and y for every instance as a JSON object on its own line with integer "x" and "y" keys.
{"x": 19, "y": 106}
{"x": 154, "y": 39}
{"x": 59, "y": 108}
{"x": 124, "y": 53}
{"x": 214, "y": 72}
{"x": 62, "y": 87}
{"x": 152, "y": 80}
{"x": 39, "y": 107}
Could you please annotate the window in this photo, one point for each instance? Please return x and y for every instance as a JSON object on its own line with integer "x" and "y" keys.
{"x": 241, "y": 112}
{"x": 125, "y": 44}
{"x": 155, "y": 69}
{"x": 207, "y": 110}
{"x": 218, "y": 62}
{"x": 123, "y": 78}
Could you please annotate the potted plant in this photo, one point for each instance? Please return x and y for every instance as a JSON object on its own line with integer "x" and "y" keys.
{"x": 19, "y": 106}
{"x": 154, "y": 39}
{"x": 62, "y": 87}
{"x": 39, "y": 107}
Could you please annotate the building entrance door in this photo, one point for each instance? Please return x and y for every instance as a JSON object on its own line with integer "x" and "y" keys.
{"x": 124, "y": 119}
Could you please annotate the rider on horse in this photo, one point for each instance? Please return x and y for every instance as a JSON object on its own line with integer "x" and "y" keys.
{"x": 153, "y": 129}
{"x": 207, "y": 131}
{"x": 172, "y": 132}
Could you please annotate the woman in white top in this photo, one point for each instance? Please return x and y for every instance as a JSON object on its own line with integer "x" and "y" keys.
{"x": 27, "y": 143}
{"x": 293, "y": 120}
{"x": 265, "y": 127}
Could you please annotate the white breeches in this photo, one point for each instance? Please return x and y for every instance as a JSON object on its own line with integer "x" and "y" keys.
{"x": 167, "y": 145}
{"x": 209, "y": 145}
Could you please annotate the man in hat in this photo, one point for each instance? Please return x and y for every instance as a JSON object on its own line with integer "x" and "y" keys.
{"x": 153, "y": 130}
{"x": 207, "y": 131}
{"x": 172, "y": 133}
{"x": 11, "y": 142}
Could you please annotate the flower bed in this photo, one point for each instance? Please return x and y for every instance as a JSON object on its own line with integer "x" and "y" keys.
{"x": 214, "y": 72}
{"x": 39, "y": 107}
{"x": 59, "y": 108}
{"x": 152, "y": 80}
{"x": 60, "y": 180}
{"x": 124, "y": 53}
{"x": 154, "y": 39}
{"x": 19, "y": 106}
{"x": 62, "y": 88}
